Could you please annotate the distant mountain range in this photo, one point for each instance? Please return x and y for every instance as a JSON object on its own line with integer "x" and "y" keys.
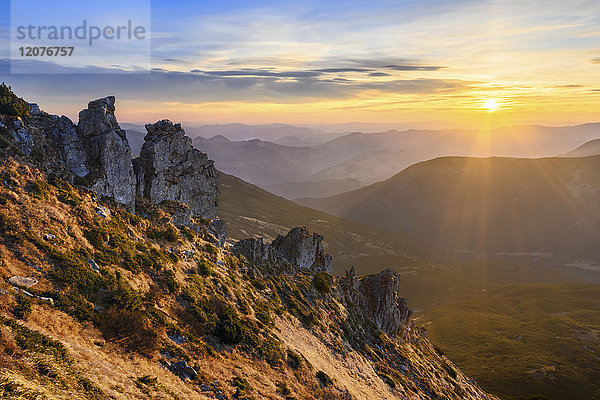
{"x": 542, "y": 207}
{"x": 358, "y": 159}
{"x": 591, "y": 148}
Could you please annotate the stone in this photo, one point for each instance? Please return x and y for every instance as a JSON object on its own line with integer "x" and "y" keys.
{"x": 303, "y": 248}
{"x": 93, "y": 265}
{"x": 46, "y": 299}
{"x": 70, "y": 146}
{"x": 189, "y": 253}
{"x": 22, "y": 281}
{"x": 49, "y": 236}
{"x": 108, "y": 152}
{"x": 218, "y": 228}
{"x": 103, "y": 212}
{"x": 22, "y": 136}
{"x": 170, "y": 169}
{"x": 176, "y": 338}
{"x": 255, "y": 251}
{"x": 182, "y": 370}
{"x": 34, "y": 109}
{"x": 300, "y": 248}
{"x": 376, "y": 297}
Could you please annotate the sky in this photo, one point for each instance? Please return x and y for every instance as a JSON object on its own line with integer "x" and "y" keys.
{"x": 434, "y": 63}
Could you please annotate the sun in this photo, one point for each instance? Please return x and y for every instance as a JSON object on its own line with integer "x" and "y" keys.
{"x": 491, "y": 105}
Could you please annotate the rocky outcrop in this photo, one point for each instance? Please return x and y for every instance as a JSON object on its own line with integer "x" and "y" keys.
{"x": 108, "y": 152}
{"x": 376, "y": 298}
{"x": 23, "y": 139}
{"x": 303, "y": 248}
{"x": 257, "y": 252}
{"x": 218, "y": 229}
{"x": 171, "y": 169}
{"x": 300, "y": 248}
{"x": 69, "y": 145}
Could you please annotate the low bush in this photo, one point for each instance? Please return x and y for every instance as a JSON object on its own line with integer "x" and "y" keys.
{"x": 10, "y": 104}
{"x": 230, "y": 329}
{"x": 205, "y": 267}
{"x": 129, "y": 329}
{"x": 322, "y": 282}
{"x": 170, "y": 233}
{"x": 28, "y": 339}
{"x": 73, "y": 270}
{"x": 22, "y": 308}
{"x": 242, "y": 386}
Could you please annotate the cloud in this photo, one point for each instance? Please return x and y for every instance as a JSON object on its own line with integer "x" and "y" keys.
{"x": 412, "y": 67}
{"x": 263, "y": 72}
{"x": 197, "y": 86}
{"x": 406, "y": 86}
{"x": 379, "y": 74}
{"x": 569, "y": 86}
{"x": 595, "y": 60}
{"x": 336, "y": 70}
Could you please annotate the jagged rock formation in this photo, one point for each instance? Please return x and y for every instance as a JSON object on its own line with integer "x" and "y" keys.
{"x": 303, "y": 248}
{"x": 96, "y": 152}
{"x": 218, "y": 229}
{"x": 377, "y": 299}
{"x": 171, "y": 169}
{"x": 108, "y": 152}
{"x": 70, "y": 146}
{"x": 300, "y": 248}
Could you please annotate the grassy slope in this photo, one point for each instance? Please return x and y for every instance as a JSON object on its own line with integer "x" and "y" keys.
{"x": 111, "y": 333}
{"x": 253, "y": 212}
{"x": 471, "y": 310}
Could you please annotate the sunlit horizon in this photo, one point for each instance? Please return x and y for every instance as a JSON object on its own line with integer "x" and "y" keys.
{"x": 425, "y": 65}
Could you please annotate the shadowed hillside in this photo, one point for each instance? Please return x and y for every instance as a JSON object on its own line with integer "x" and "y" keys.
{"x": 254, "y": 212}
{"x": 501, "y": 205}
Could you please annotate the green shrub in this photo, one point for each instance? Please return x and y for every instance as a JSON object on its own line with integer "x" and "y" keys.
{"x": 73, "y": 304}
{"x": 6, "y": 139}
{"x": 22, "y": 309}
{"x": 230, "y": 329}
{"x": 284, "y": 390}
{"x": 269, "y": 348}
{"x": 92, "y": 391}
{"x": 210, "y": 249}
{"x": 10, "y": 104}
{"x": 73, "y": 270}
{"x": 13, "y": 390}
{"x": 263, "y": 314}
{"x": 38, "y": 189}
{"x": 322, "y": 282}
{"x": 28, "y": 339}
{"x": 169, "y": 281}
{"x": 126, "y": 299}
{"x": 145, "y": 382}
{"x": 242, "y": 386}
{"x": 204, "y": 267}
{"x": 97, "y": 236}
{"x": 170, "y": 233}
